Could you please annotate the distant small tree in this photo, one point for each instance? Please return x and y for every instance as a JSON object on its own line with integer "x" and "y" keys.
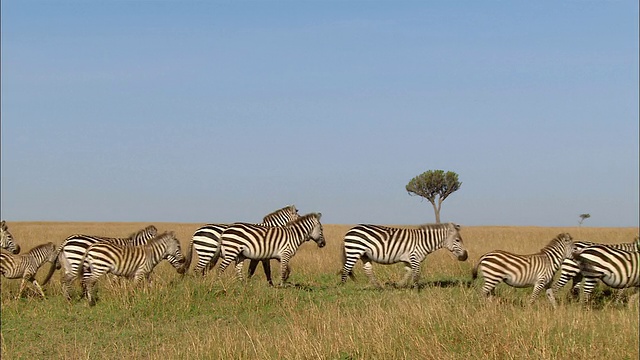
{"x": 435, "y": 186}
{"x": 583, "y": 217}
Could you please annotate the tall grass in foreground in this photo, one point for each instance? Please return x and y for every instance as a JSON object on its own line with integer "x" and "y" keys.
{"x": 314, "y": 318}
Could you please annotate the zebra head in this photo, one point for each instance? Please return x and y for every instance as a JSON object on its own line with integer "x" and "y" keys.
{"x": 6, "y": 239}
{"x": 453, "y": 242}
{"x": 173, "y": 254}
{"x": 565, "y": 244}
{"x": 316, "y": 232}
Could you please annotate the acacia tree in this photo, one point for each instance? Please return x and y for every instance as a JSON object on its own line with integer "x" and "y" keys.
{"x": 435, "y": 186}
{"x": 582, "y": 218}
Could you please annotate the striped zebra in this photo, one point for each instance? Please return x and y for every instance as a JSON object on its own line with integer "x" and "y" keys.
{"x": 389, "y": 245}
{"x": 535, "y": 270}
{"x": 206, "y": 240}
{"x": 73, "y": 249}
{"x": 26, "y": 266}
{"x": 6, "y": 239}
{"x": 570, "y": 269}
{"x": 135, "y": 262}
{"x": 241, "y": 240}
{"x": 616, "y": 268}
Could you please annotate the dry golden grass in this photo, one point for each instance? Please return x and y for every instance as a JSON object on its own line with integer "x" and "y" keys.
{"x": 314, "y": 318}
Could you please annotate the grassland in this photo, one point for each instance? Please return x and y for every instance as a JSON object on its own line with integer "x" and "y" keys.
{"x": 314, "y": 318}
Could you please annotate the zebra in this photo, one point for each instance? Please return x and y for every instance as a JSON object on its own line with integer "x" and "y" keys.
{"x": 6, "y": 239}
{"x": 26, "y": 266}
{"x": 535, "y": 270}
{"x": 616, "y": 268}
{"x": 135, "y": 262}
{"x": 390, "y": 245}
{"x": 73, "y": 249}
{"x": 258, "y": 242}
{"x": 206, "y": 240}
{"x": 570, "y": 269}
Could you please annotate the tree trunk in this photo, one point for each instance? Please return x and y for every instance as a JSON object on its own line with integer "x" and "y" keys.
{"x": 436, "y": 210}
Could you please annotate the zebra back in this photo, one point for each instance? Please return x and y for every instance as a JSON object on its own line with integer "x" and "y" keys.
{"x": 126, "y": 259}
{"x": 70, "y": 253}
{"x": 615, "y": 267}
{"x": 6, "y": 239}
{"x": 206, "y": 239}
{"x": 18, "y": 266}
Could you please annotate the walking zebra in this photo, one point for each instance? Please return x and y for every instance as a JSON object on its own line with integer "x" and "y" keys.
{"x": 570, "y": 269}
{"x": 73, "y": 249}
{"x": 616, "y": 268}
{"x": 258, "y": 242}
{"x": 6, "y": 239}
{"x": 206, "y": 242}
{"x": 389, "y": 245}
{"x": 535, "y": 270}
{"x": 26, "y": 266}
{"x": 135, "y": 262}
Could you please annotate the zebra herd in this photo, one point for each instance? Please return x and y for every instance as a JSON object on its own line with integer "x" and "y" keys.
{"x": 279, "y": 235}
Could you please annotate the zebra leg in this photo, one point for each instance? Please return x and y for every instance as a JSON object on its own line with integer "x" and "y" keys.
{"x": 67, "y": 279}
{"x": 587, "y": 289}
{"x": 37, "y": 286}
{"x": 253, "y": 264}
{"x": 284, "y": 268}
{"x": 22, "y": 284}
{"x": 347, "y": 269}
{"x": 266, "y": 266}
{"x": 537, "y": 288}
{"x": 575, "y": 289}
{"x": 551, "y": 297}
{"x": 239, "y": 264}
{"x": 368, "y": 269}
{"x": 405, "y": 280}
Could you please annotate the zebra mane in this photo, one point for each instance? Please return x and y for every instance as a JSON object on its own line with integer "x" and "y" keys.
{"x": 441, "y": 225}
{"x": 304, "y": 218}
{"x": 161, "y": 237}
{"x": 148, "y": 229}
{"x": 290, "y": 208}
{"x": 559, "y": 239}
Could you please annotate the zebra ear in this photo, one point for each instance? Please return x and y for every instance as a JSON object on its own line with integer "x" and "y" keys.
{"x": 319, "y": 215}
{"x": 457, "y": 226}
{"x": 3, "y": 225}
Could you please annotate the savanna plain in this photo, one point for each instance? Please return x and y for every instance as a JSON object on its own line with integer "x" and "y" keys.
{"x": 216, "y": 316}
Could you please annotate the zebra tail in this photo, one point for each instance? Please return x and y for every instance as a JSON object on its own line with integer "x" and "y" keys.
{"x": 474, "y": 273}
{"x": 55, "y": 264}
{"x": 188, "y": 257}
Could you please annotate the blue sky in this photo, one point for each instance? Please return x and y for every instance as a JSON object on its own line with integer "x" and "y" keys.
{"x": 221, "y": 111}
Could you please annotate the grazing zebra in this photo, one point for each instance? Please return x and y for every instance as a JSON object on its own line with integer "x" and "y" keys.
{"x": 206, "y": 240}
{"x": 6, "y": 239}
{"x": 570, "y": 269}
{"x": 135, "y": 262}
{"x": 535, "y": 270}
{"x": 26, "y": 266}
{"x": 389, "y": 245}
{"x": 616, "y": 268}
{"x": 73, "y": 249}
{"x": 241, "y": 240}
